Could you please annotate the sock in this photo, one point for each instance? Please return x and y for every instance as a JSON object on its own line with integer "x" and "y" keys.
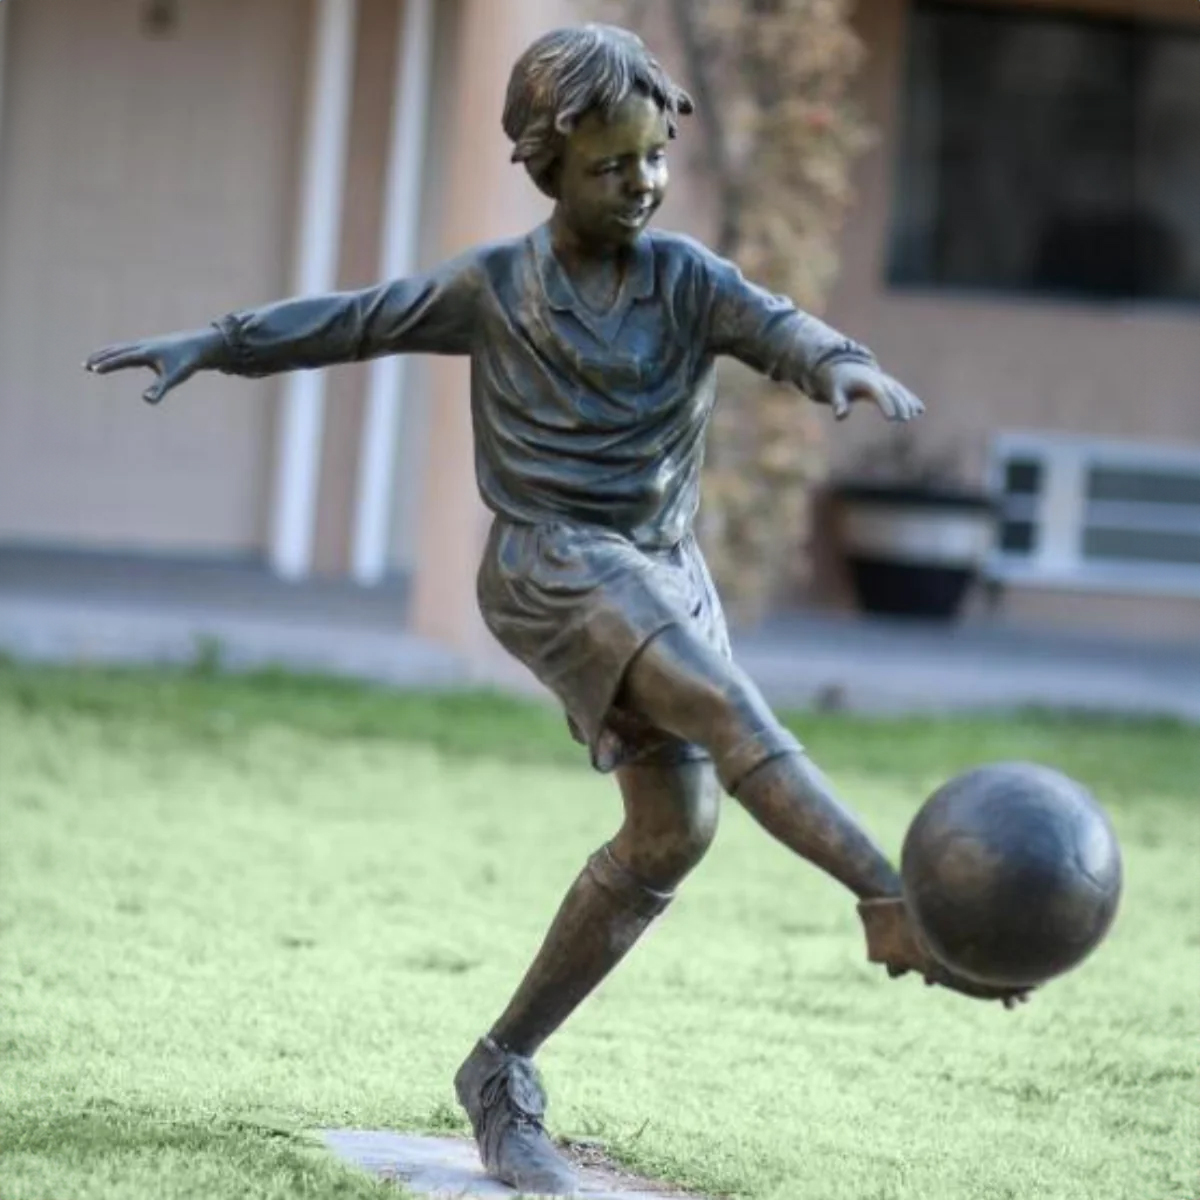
{"x": 605, "y": 912}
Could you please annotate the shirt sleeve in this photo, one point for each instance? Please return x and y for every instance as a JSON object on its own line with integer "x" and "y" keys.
{"x": 434, "y": 313}
{"x": 769, "y": 333}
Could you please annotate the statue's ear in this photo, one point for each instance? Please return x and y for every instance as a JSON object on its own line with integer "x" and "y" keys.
{"x": 684, "y": 103}
{"x": 547, "y": 178}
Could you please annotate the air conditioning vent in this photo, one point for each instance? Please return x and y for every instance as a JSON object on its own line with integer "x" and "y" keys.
{"x": 1090, "y": 514}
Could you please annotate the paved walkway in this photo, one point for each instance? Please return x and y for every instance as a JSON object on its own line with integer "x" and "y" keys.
{"x": 892, "y": 666}
{"x": 447, "y": 1167}
{"x": 99, "y": 609}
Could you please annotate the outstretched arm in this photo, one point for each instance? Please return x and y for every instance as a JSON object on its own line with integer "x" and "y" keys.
{"x": 769, "y": 334}
{"x": 432, "y": 313}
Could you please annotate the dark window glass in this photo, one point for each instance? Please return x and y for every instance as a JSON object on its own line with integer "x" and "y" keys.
{"x": 1023, "y": 477}
{"x": 1144, "y": 487}
{"x": 1049, "y": 153}
{"x": 1018, "y": 537}
{"x": 1128, "y": 545}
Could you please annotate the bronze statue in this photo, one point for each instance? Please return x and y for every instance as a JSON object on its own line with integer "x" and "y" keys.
{"x": 592, "y": 343}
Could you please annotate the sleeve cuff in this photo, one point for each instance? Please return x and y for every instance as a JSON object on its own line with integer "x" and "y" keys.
{"x": 844, "y": 350}
{"x": 238, "y": 360}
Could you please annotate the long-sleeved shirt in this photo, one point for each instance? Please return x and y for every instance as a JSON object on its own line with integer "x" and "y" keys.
{"x": 585, "y": 417}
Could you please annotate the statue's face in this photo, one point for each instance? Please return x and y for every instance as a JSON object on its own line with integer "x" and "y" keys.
{"x": 613, "y": 173}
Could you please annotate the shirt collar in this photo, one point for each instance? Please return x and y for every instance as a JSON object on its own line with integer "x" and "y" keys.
{"x": 561, "y": 294}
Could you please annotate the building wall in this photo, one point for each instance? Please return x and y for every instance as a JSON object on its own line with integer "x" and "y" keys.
{"x": 362, "y": 223}
{"x": 377, "y": 46}
{"x": 485, "y": 198}
{"x": 984, "y": 364}
{"x": 981, "y": 362}
{"x": 119, "y": 233}
{"x": 412, "y": 467}
{"x": 375, "y": 77}
{"x": 145, "y": 185}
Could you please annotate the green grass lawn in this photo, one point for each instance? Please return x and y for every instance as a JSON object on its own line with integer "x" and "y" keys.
{"x": 235, "y": 911}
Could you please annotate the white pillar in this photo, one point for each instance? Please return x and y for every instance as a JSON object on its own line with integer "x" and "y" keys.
{"x": 402, "y": 211}
{"x": 326, "y": 136}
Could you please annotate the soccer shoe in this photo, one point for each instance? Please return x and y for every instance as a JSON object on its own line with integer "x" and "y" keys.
{"x": 504, "y": 1098}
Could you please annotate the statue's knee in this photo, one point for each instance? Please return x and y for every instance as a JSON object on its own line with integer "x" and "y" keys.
{"x": 700, "y": 827}
{"x": 669, "y": 856}
{"x": 665, "y": 851}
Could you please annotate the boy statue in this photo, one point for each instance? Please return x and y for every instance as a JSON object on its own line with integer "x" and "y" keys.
{"x": 592, "y": 343}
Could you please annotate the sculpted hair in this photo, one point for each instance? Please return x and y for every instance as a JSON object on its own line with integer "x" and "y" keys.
{"x": 569, "y": 72}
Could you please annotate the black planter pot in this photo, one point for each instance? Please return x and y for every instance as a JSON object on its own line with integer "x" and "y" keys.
{"x": 914, "y": 551}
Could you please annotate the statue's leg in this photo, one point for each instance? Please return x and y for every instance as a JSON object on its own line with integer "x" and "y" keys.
{"x": 692, "y": 691}
{"x": 670, "y": 820}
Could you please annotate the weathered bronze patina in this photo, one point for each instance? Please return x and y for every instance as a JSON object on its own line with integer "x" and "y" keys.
{"x": 592, "y": 343}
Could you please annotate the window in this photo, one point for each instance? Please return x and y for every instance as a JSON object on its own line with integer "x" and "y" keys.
{"x": 1085, "y": 513}
{"x": 1049, "y": 153}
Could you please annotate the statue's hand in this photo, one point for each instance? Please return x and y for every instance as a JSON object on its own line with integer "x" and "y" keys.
{"x": 850, "y": 380}
{"x": 893, "y": 941}
{"x": 174, "y": 359}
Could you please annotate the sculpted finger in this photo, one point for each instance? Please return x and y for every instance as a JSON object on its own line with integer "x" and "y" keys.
{"x": 169, "y": 379}
{"x": 159, "y": 388}
{"x": 898, "y": 402}
{"x": 116, "y": 358}
{"x": 840, "y": 403}
{"x": 907, "y": 405}
{"x": 97, "y": 358}
{"x": 886, "y": 400}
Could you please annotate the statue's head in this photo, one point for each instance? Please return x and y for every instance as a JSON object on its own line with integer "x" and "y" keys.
{"x": 590, "y": 112}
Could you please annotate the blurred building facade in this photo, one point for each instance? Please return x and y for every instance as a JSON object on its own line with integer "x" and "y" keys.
{"x": 1024, "y": 252}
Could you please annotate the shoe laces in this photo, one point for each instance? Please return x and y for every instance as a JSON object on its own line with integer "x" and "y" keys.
{"x": 516, "y": 1086}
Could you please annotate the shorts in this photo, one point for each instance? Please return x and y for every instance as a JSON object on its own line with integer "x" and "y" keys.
{"x": 575, "y": 604}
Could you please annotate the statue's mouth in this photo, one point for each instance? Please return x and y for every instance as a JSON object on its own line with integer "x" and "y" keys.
{"x": 632, "y": 217}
